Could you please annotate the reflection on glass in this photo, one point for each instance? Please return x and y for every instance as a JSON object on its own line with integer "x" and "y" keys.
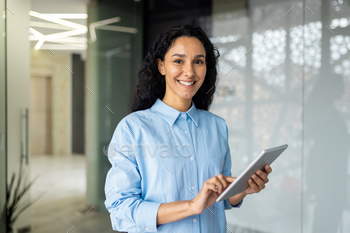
{"x": 326, "y": 165}
{"x": 261, "y": 100}
{"x": 287, "y": 79}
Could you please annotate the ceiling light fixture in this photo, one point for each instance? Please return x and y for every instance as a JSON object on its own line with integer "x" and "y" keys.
{"x": 78, "y": 29}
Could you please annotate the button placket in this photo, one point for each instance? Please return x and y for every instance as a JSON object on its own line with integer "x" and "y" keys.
{"x": 184, "y": 124}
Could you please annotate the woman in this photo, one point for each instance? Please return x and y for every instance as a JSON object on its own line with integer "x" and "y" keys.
{"x": 170, "y": 157}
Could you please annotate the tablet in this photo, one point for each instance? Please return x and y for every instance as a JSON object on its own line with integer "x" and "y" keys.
{"x": 241, "y": 182}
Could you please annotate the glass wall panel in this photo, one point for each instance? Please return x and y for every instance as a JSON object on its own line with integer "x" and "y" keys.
{"x": 3, "y": 162}
{"x": 260, "y": 94}
{"x": 327, "y": 116}
{"x": 113, "y": 58}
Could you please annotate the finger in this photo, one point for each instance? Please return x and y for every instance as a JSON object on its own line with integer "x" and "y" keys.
{"x": 230, "y": 178}
{"x": 262, "y": 175}
{"x": 216, "y": 181}
{"x": 211, "y": 186}
{"x": 268, "y": 169}
{"x": 253, "y": 185}
{"x": 260, "y": 183}
{"x": 225, "y": 181}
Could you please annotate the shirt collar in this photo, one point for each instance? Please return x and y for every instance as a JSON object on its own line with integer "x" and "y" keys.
{"x": 171, "y": 114}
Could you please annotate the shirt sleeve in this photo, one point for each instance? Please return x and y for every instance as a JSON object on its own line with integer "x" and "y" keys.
{"x": 227, "y": 172}
{"x": 128, "y": 211}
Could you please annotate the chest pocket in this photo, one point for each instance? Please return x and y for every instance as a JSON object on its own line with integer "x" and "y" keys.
{"x": 214, "y": 165}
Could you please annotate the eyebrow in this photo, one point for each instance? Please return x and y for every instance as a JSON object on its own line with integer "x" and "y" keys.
{"x": 183, "y": 55}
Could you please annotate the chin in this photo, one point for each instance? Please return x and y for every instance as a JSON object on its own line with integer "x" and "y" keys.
{"x": 186, "y": 97}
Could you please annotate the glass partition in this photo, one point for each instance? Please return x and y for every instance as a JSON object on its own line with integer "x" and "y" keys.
{"x": 326, "y": 117}
{"x": 260, "y": 95}
{"x": 3, "y": 162}
{"x": 284, "y": 78}
{"x": 113, "y": 59}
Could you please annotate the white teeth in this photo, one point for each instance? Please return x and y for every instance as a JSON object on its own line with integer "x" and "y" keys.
{"x": 186, "y": 83}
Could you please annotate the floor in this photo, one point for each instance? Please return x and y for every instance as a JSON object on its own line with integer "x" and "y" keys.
{"x": 61, "y": 208}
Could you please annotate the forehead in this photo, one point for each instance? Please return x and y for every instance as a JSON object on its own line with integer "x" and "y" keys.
{"x": 187, "y": 45}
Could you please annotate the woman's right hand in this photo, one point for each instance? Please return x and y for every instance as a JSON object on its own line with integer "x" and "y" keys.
{"x": 210, "y": 191}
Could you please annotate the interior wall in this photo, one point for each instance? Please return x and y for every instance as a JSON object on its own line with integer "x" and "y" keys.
{"x": 41, "y": 115}
{"x": 57, "y": 67}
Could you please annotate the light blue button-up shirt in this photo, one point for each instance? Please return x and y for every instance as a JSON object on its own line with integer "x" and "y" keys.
{"x": 161, "y": 155}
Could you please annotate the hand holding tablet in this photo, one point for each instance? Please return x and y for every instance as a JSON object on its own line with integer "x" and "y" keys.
{"x": 241, "y": 183}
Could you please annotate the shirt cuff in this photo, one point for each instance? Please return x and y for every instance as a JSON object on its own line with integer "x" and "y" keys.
{"x": 147, "y": 216}
{"x": 228, "y": 206}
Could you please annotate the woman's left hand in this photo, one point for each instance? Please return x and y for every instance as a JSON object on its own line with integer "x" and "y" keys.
{"x": 258, "y": 180}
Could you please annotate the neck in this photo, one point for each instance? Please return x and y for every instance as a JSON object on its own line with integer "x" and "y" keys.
{"x": 179, "y": 104}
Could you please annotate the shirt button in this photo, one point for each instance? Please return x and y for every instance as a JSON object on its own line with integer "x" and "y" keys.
{"x": 191, "y": 158}
{"x": 186, "y": 132}
{"x": 194, "y": 220}
{"x": 147, "y": 229}
{"x": 193, "y": 188}
{"x": 183, "y": 115}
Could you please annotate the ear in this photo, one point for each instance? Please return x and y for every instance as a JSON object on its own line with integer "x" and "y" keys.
{"x": 160, "y": 65}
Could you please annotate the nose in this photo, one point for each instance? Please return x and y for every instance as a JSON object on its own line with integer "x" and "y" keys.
{"x": 188, "y": 70}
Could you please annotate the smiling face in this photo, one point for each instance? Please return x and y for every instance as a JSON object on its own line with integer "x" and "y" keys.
{"x": 185, "y": 61}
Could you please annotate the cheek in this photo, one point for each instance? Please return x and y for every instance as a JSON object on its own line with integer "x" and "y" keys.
{"x": 173, "y": 70}
{"x": 202, "y": 72}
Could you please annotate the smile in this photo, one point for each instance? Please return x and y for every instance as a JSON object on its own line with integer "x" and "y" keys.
{"x": 186, "y": 83}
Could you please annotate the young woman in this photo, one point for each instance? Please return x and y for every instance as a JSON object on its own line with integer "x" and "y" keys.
{"x": 170, "y": 157}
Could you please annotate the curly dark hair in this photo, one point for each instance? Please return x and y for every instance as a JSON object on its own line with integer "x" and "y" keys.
{"x": 151, "y": 83}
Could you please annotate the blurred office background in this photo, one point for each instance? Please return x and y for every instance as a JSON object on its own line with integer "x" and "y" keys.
{"x": 68, "y": 71}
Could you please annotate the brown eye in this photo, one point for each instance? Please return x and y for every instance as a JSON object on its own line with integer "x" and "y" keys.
{"x": 178, "y": 61}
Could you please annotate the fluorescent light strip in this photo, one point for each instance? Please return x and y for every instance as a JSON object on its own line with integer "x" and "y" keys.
{"x": 99, "y": 24}
{"x": 39, "y": 44}
{"x": 92, "y": 32}
{"x": 48, "y": 25}
{"x": 54, "y": 36}
{"x": 119, "y": 29}
{"x": 63, "y": 47}
{"x": 79, "y": 40}
{"x": 69, "y": 16}
{"x": 65, "y": 34}
{"x": 58, "y": 21}
{"x": 106, "y": 21}
{"x": 38, "y": 35}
